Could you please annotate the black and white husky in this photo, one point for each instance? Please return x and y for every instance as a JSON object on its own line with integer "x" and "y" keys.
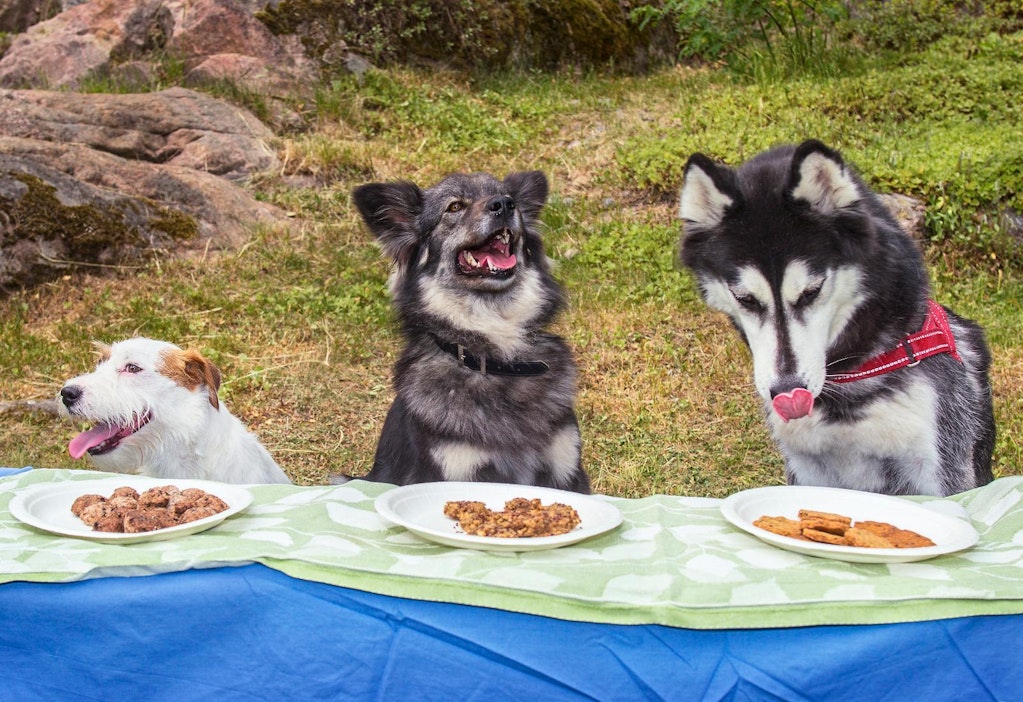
{"x": 482, "y": 392}
{"x": 866, "y": 382}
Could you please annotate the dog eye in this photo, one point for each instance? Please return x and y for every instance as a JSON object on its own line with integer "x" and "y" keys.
{"x": 749, "y": 302}
{"x": 456, "y": 206}
{"x": 808, "y": 296}
{"x": 132, "y": 368}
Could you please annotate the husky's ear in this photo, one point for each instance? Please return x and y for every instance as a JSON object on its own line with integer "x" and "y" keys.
{"x": 529, "y": 190}
{"x": 390, "y": 211}
{"x": 707, "y": 192}
{"x": 819, "y": 177}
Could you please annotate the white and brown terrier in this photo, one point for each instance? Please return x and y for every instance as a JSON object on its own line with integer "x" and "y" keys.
{"x": 155, "y": 412}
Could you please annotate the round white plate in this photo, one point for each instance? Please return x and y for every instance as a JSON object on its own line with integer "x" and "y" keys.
{"x": 420, "y": 509}
{"x": 48, "y": 507}
{"x": 949, "y": 534}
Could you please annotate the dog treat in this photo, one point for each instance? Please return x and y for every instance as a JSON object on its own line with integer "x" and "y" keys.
{"x": 837, "y": 529}
{"x": 128, "y": 512}
{"x": 521, "y": 517}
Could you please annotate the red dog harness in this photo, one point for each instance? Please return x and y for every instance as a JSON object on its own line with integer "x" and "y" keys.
{"x": 935, "y": 337}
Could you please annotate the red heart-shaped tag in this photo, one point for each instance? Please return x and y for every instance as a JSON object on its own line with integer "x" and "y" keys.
{"x": 794, "y": 404}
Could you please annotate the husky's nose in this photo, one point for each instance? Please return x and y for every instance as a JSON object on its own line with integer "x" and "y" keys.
{"x": 501, "y": 206}
{"x": 69, "y": 394}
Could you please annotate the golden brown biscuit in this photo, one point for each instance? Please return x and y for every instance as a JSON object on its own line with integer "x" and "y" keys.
{"x": 838, "y": 530}
{"x": 898, "y": 538}
{"x": 832, "y": 526}
{"x": 809, "y": 514}
{"x": 866, "y": 539}
{"x": 781, "y": 525}
{"x": 825, "y": 537}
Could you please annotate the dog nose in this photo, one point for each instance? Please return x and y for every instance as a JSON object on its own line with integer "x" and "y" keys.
{"x": 69, "y": 394}
{"x": 501, "y": 206}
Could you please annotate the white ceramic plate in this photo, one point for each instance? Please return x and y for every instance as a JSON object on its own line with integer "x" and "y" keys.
{"x": 48, "y": 507}
{"x": 420, "y": 509}
{"x": 949, "y": 534}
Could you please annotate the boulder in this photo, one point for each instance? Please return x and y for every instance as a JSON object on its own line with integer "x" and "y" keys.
{"x": 51, "y": 222}
{"x": 69, "y": 206}
{"x": 177, "y": 127}
{"x": 66, "y": 48}
{"x": 95, "y": 38}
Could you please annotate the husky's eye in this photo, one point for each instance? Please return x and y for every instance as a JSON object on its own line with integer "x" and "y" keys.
{"x": 748, "y": 302}
{"x": 132, "y": 368}
{"x": 809, "y": 295}
{"x": 456, "y": 206}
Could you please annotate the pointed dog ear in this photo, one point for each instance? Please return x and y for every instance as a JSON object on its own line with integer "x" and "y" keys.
{"x": 708, "y": 191}
{"x": 390, "y": 211}
{"x": 529, "y": 189}
{"x": 819, "y": 177}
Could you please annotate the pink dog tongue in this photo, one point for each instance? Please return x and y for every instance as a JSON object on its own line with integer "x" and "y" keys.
{"x": 793, "y": 405}
{"x": 496, "y": 253}
{"x": 93, "y": 437}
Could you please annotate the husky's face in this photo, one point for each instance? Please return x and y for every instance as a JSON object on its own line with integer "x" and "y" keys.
{"x": 466, "y": 249}
{"x": 789, "y": 329}
{"x": 776, "y": 246}
{"x": 142, "y": 393}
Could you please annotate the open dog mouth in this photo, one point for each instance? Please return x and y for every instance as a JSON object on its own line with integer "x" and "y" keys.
{"x": 493, "y": 258}
{"x": 105, "y": 437}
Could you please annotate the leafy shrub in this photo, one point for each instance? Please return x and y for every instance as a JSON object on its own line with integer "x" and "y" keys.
{"x": 755, "y": 38}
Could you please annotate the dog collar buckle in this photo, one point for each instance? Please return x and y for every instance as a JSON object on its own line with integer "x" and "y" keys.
{"x": 470, "y": 362}
{"x": 913, "y": 360}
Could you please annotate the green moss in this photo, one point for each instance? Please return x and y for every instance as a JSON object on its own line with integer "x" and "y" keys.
{"x": 175, "y": 224}
{"x": 90, "y": 229}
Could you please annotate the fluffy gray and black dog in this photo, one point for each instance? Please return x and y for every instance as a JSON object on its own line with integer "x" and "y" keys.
{"x": 866, "y": 382}
{"x": 483, "y": 393}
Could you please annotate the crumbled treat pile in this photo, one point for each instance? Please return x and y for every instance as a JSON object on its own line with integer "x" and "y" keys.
{"x": 521, "y": 517}
{"x": 837, "y": 529}
{"x": 127, "y": 511}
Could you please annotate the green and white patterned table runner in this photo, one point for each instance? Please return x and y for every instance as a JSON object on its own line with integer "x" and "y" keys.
{"x": 674, "y": 561}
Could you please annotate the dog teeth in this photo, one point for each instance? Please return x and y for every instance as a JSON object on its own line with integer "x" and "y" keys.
{"x": 471, "y": 260}
{"x": 503, "y": 237}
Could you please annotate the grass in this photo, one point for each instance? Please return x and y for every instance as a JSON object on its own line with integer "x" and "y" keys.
{"x": 299, "y": 322}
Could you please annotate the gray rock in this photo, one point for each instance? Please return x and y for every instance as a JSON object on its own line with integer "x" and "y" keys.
{"x": 178, "y": 127}
{"x": 68, "y": 206}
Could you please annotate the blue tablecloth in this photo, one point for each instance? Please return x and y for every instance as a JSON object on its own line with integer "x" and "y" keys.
{"x": 250, "y": 632}
{"x": 253, "y": 633}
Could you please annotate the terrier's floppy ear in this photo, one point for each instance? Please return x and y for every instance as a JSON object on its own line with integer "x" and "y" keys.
{"x": 819, "y": 177}
{"x": 191, "y": 369}
{"x": 390, "y": 211}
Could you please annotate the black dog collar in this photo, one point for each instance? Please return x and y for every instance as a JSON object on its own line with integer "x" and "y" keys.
{"x": 491, "y": 367}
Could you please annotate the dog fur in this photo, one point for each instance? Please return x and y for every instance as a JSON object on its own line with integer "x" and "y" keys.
{"x": 156, "y": 413}
{"x": 469, "y": 273}
{"x": 817, "y": 277}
